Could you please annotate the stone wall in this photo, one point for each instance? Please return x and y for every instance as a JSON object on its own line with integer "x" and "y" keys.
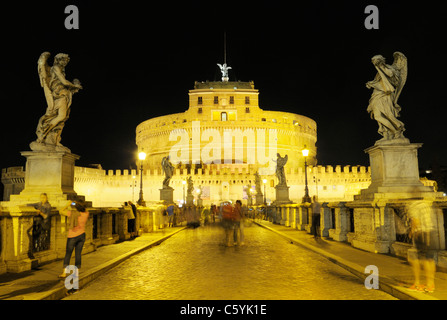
{"x": 112, "y": 188}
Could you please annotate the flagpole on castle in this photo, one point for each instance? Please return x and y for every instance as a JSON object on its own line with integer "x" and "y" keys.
{"x": 224, "y": 68}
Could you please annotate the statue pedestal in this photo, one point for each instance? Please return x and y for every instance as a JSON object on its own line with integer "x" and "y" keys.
{"x": 282, "y": 195}
{"x": 189, "y": 200}
{"x": 395, "y": 170}
{"x": 50, "y": 172}
{"x": 259, "y": 199}
{"x": 394, "y": 178}
{"x": 167, "y": 194}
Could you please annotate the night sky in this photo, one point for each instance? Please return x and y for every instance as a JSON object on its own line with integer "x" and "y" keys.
{"x": 137, "y": 61}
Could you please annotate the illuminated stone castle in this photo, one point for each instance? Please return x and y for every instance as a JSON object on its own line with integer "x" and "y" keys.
{"x": 221, "y": 141}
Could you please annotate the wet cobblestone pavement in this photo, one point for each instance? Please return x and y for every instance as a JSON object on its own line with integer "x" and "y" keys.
{"x": 196, "y": 265}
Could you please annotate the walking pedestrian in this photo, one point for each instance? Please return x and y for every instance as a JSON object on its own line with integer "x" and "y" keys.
{"x": 228, "y": 220}
{"x": 134, "y": 211}
{"x": 77, "y": 218}
{"x": 316, "y": 206}
{"x": 214, "y": 212}
{"x": 422, "y": 233}
{"x": 238, "y": 223}
{"x": 244, "y": 215}
{"x": 170, "y": 210}
{"x": 131, "y": 218}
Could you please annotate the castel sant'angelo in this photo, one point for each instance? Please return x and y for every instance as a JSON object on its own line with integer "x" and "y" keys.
{"x": 221, "y": 141}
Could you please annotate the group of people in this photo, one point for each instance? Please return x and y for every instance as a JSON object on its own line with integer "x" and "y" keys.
{"x": 233, "y": 222}
{"x": 77, "y": 214}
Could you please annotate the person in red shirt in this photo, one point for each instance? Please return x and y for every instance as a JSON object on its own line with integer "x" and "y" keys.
{"x": 77, "y": 219}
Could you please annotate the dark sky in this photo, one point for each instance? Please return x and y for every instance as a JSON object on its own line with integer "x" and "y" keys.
{"x": 137, "y": 61}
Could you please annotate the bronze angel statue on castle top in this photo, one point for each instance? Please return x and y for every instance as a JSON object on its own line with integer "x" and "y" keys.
{"x": 58, "y": 94}
{"x": 387, "y": 85}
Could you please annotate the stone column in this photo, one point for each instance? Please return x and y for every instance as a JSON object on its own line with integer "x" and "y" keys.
{"x": 282, "y": 210}
{"x": 325, "y": 220}
{"x": 121, "y": 224}
{"x": 17, "y": 221}
{"x": 341, "y": 223}
{"x": 292, "y": 215}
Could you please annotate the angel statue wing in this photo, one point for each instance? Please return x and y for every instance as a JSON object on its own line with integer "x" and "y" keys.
{"x": 401, "y": 65}
{"x": 44, "y": 75}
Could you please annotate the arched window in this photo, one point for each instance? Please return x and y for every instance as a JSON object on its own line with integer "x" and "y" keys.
{"x": 223, "y": 116}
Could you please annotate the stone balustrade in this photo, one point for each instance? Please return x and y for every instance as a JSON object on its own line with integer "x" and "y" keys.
{"x": 104, "y": 226}
{"x": 371, "y": 227}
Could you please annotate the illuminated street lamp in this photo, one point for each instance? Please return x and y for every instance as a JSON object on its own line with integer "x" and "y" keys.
{"x": 306, "y": 197}
{"x": 265, "y": 196}
{"x": 142, "y": 157}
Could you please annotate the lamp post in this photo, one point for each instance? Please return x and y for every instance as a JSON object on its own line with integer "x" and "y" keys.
{"x": 306, "y": 197}
{"x": 265, "y": 196}
{"x": 184, "y": 200}
{"x": 134, "y": 184}
{"x": 142, "y": 157}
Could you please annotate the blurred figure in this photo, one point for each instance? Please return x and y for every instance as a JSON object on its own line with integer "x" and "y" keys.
{"x": 170, "y": 209}
{"x": 228, "y": 220}
{"x": 422, "y": 229}
{"x": 238, "y": 223}
{"x": 214, "y": 212}
{"x": 244, "y": 215}
{"x": 206, "y": 216}
{"x": 316, "y": 206}
{"x": 131, "y": 216}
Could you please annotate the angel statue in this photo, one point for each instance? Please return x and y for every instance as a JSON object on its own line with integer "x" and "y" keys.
{"x": 168, "y": 169}
{"x": 387, "y": 85}
{"x": 280, "y": 163}
{"x": 58, "y": 94}
{"x": 224, "y": 69}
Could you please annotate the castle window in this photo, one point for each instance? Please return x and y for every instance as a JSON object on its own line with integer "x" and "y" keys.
{"x": 216, "y": 100}
{"x": 231, "y": 99}
{"x": 200, "y": 110}
{"x": 263, "y": 119}
{"x": 247, "y": 110}
{"x": 247, "y": 100}
{"x": 199, "y": 100}
{"x": 223, "y": 116}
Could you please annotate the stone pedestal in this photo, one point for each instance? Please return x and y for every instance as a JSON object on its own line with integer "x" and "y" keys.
{"x": 259, "y": 199}
{"x": 49, "y": 172}
{"x": 189, "y": 200}
{"x": 394, "y": 177}
{"x": 394, "y": 170}
{"x": 282, "y": 195}
{"x": 167, "y": 194}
